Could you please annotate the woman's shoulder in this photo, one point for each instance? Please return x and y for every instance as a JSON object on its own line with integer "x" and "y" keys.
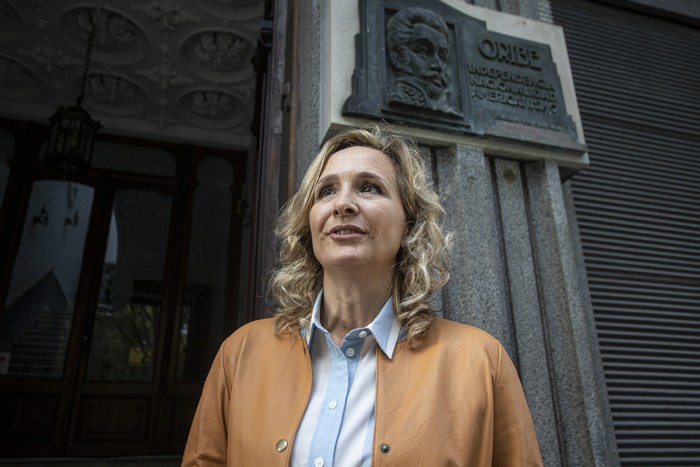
{"x": 255, "y": 329}
{"x": 455, "y": 334}
{"x": 263, "y": 325}
{"x": 448, "y": 326}
{"x": 257, "y": 333}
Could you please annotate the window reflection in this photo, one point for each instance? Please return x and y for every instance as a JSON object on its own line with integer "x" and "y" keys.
{"x": 7, "y": 148}
{"x": 203, "y": 320}
{"x": 129, "y": 305}
{"x": 38, "y": 314}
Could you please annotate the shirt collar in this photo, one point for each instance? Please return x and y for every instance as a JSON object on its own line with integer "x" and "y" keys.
{"x": 385, "y": 328}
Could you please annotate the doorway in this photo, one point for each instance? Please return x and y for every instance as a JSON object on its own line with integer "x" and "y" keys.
{"x": 117, "y": 288}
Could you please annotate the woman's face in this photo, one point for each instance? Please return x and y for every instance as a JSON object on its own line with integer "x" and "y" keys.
{"x": 357, "y": 218}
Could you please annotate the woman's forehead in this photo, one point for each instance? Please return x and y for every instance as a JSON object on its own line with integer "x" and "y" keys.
{"x": 359, "y": 159}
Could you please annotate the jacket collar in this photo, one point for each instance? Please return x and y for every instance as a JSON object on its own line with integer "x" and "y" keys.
{"x": 385, "y": 328}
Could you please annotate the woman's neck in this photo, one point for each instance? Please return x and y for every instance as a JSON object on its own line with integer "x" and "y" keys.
{"x": 349, "y": 305}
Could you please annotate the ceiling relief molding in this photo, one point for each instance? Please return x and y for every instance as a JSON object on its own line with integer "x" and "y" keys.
{"x": 118, "y": 39}
{"x": 37, "y": 3}
{"x": 218, "y": 55}
{"x": 162, "y": 121}
{"x": 17, "y": 80}
{"x": 115, "y": 94}
{"x": 49, "y": 57}
{"x": 41, "y": 24}
{"x": 240, "y": 10}
{"x": 171, "y": 70}
{"x": 11, "y": 23}
{"x": 164, "y": 76}
{"x": 167, "y": 14}
{"x": 212, "y": 108}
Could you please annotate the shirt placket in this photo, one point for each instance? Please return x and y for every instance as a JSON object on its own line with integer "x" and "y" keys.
{"x": 343, "y": 365}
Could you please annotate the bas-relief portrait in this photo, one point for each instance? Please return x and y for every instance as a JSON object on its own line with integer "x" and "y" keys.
{"x": 418, "y": 45}
{"x": 436, "y": 67}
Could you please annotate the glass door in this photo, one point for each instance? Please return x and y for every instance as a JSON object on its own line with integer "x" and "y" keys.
{"x": 39, "y": 315}
{"x": 81, "y": 335}
{"x": 123, "y": 342}
{"x": 120, "y": 291}
{"x": 115, "y": 400}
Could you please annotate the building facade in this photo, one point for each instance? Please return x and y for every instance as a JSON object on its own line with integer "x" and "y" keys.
{"x": 577, "y": 240}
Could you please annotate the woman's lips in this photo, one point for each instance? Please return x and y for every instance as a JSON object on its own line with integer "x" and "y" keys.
{"x": 345, "y": 230}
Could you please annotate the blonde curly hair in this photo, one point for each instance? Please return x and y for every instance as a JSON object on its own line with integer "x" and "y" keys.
{"x": 422, "y": 262}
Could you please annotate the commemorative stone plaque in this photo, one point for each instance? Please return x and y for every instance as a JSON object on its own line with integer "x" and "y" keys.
{"x": 429, "y": 65}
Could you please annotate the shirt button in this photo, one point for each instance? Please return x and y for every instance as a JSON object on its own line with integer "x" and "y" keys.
{"x": 362, "y": 334}
{"x": 333, "y": 404}
{"x": 350, "y": 352}
{"x": 319, "y": 462}
{"x": 282, "y": 445}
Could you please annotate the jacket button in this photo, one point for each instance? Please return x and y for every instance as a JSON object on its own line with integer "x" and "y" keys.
{"x": 282, "y": 445}
{"x": 384, "y": 448}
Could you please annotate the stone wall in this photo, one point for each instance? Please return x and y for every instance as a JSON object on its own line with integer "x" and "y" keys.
{"x": 517, "y": 270}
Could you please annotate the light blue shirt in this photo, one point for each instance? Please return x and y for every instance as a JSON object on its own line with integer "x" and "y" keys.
{"x": 338, "y": 425}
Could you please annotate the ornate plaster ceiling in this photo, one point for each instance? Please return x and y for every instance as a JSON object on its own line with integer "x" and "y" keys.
{"x": 174, "y": 70}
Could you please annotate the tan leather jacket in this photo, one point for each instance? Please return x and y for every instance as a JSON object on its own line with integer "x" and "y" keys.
{"x": 456, "y": 401}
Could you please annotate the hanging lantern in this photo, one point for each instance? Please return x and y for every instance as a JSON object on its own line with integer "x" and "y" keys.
{"x": 73, "y": 129}
{"x": 72, "y": 138}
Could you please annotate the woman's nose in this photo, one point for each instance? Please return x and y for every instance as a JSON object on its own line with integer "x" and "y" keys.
{"x": 345, "y": 204}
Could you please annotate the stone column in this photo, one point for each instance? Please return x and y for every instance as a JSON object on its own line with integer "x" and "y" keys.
{"x": 473, "y": 296}
{"x": 528, "y": 328}
{"x": 583, "y": 419}
{"x": 493, "y": 284}
{"x": 515, "y": 274}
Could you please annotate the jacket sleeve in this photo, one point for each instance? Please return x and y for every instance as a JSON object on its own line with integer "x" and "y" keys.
{"x": 514, "y": 440}
{"x": 208, "y": 440}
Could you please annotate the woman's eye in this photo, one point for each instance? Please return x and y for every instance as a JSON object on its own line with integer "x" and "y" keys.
{"x": 370, "y": 188}
{"x": 325, "y": 191}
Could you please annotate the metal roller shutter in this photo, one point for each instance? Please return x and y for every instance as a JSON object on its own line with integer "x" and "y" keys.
{"x": 637, "y": 80}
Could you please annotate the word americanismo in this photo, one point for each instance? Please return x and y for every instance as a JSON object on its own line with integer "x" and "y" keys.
{"x": 424, "y": 63}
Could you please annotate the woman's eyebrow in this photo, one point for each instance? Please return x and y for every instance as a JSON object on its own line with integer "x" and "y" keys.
{"x": 371, "y": 175}
{"x": 325, "y": 179}
{"x": 362, "y": 175}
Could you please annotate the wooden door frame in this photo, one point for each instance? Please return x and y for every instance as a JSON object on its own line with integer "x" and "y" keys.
{"x": 269, "y": 124}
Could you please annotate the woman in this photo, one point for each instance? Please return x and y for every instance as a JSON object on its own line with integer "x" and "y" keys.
{"x": 355, "y": 369}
